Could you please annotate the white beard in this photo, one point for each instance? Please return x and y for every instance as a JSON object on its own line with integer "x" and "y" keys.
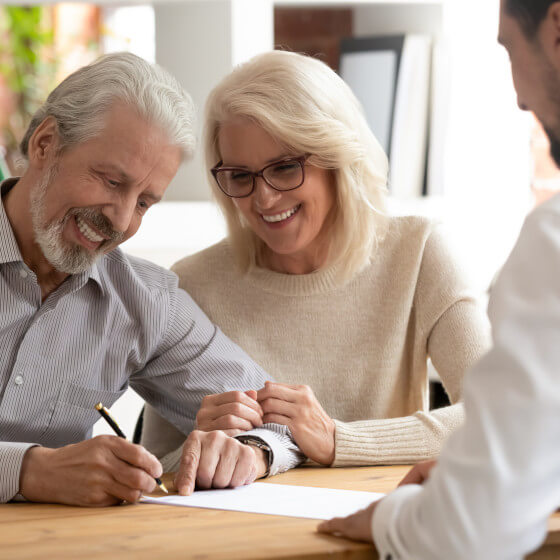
{"x": 64, "y": 257}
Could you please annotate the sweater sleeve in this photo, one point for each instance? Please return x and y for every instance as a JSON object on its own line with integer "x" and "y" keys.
{"x": 393, "y": 441}
{"x": 455, "y": 333}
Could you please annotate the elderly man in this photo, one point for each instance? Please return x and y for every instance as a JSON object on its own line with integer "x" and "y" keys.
{"x": 498, "y": 478}
{"x": 79, "y": 320}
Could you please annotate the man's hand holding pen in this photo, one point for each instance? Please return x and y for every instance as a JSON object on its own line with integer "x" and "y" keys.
{"x": 101, "y": 471}
{"x": 107, "y": 470}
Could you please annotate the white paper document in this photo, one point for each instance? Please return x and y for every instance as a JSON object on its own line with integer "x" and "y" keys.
{"x": 276, "y": 499}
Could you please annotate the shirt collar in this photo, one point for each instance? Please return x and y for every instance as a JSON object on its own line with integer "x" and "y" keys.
{"x": 95, "y": 275}
{"x": 9, "y": 249}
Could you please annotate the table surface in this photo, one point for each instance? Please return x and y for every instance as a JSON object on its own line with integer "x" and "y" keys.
{"x": 158, "y": 531}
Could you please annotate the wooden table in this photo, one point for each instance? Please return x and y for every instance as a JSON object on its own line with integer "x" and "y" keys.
{"x": 156, "y": 531}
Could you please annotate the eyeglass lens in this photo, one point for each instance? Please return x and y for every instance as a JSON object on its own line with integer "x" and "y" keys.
{"x": 283, "y": 175}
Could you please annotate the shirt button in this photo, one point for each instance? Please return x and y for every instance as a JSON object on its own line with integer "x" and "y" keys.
{"x": 18, "y": 380}
{"x": 23, "y": 273}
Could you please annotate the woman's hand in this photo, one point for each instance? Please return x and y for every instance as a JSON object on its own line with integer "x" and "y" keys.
{"x": 419, "y": 473}
{"x": 356, "y": 526}
{"x": 232, "y": 412}
{"x": 297, "y": 407}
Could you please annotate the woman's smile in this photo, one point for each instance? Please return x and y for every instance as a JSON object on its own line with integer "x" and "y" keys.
{"x": 281, "y": 218}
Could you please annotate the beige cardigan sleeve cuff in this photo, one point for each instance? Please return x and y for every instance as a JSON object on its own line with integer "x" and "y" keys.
{"x": 395, "y": 440}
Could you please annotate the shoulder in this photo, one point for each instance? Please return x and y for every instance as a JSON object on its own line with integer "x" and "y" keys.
{"x": 410, "y": 230}
{"x": 135, "y": 275}
{"x": 140, "y": 293}
{"x": 430, "y": 251}
{"x": 532, "y": 267}
{"x": 210, "y": 262}
{"x": 545, "y": 215}
{"x": 410, "y": 237}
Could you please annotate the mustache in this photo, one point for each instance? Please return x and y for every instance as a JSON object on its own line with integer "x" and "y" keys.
{"x": 100, "y": 222}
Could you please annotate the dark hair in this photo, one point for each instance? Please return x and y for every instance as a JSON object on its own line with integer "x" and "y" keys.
{"x": 529, "y": 13}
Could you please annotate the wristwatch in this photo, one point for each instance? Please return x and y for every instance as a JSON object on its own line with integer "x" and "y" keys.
{"x": 261, "y": 444}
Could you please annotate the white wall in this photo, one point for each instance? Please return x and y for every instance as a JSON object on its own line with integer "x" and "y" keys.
{"x": 386, "y": 18}
{"x": 200, "y": 41}
{"x": 484, "y": 156}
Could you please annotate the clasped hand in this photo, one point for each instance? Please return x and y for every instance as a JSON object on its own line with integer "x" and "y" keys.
{"x": 292, "y": 405}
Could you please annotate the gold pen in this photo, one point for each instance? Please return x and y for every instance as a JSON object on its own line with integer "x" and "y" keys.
{"x": 113, "y": 423}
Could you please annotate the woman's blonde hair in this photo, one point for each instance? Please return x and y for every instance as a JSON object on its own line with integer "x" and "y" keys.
{"x": 307, "y": 107}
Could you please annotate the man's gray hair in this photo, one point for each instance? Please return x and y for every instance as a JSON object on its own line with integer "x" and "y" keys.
{"x": 80, "y": 102}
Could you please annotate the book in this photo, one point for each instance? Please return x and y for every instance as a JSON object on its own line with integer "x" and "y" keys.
{"x": 390, "y": 76}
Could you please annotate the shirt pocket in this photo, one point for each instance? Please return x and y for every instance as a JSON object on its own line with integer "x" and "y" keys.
{"x": 74, "y": 414}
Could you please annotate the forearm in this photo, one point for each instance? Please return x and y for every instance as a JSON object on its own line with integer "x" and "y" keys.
{"x": 404, "y": 440}
{"x": 11, "y": 459}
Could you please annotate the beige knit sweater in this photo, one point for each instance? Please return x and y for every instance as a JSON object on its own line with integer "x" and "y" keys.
{"x": 363, "y": 348}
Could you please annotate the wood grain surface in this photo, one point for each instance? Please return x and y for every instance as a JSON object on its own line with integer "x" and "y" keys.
{"x": 156, "y": 531}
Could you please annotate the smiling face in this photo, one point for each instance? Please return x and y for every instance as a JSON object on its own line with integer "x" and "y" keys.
{"x": 294, "y": 225}
{"x": 535, "y": 67}
{"x": 93, "y": 195}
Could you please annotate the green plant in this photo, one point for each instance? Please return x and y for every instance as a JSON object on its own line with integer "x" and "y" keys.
{"x": 27, "y": 67}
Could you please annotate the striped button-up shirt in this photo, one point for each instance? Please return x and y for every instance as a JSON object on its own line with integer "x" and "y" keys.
{"x": 125, "y": 321}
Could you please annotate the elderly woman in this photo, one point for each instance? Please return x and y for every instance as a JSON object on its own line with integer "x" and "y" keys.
{"x": 341, "y": 303}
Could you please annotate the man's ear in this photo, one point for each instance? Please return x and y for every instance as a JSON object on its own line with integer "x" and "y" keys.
{"x": 43, "y": 143}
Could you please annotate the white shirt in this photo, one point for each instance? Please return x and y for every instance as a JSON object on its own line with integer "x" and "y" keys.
{"x": 498, "y": 477}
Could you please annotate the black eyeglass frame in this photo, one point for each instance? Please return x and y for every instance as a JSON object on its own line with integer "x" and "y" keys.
{"x": 255, "y": 174}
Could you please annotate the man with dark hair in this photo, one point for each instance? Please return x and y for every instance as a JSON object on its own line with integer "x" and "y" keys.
{"x": 529, "y": 15}
{"x": 498, "y": 478}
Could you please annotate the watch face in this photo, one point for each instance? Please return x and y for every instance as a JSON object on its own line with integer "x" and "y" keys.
{"x": 255, "y": 442}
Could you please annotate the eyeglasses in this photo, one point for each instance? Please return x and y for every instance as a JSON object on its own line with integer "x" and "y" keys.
{"x": 283, "y": 175}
